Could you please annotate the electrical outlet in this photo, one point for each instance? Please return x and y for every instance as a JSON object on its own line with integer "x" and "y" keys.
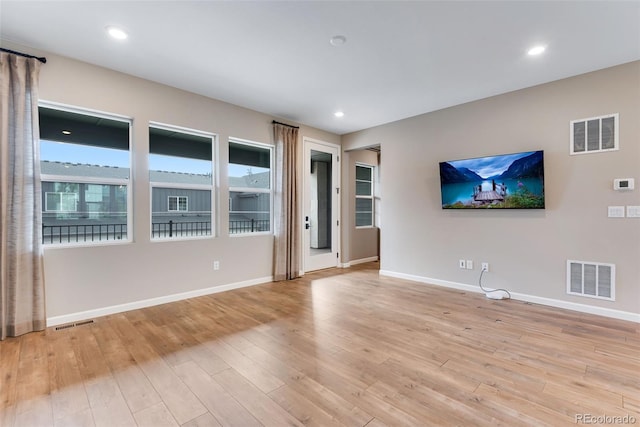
{"x": 216, "y": 265}
{"x": 485, "y": 266}
{"x": 462, "y": 263}
{"x": 633, "y": 211}
{"x": 616, "y": 211}
{"x": 469, "y": 264}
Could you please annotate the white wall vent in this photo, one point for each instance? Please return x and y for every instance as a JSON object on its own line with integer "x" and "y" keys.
{"x": 594, "y": 135}
{"x": 591, "y": 279}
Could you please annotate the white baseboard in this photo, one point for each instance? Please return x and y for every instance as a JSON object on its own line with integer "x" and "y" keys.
{"x": 583, "y": 308}
{"x": 104, "y": 311}
{"x": 359, "y": 261}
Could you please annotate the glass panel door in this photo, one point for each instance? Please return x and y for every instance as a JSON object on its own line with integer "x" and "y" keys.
{"x": 321, "y": 206}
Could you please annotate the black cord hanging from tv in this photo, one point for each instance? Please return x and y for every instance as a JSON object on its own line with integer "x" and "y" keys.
{"x": 26, "y": 55}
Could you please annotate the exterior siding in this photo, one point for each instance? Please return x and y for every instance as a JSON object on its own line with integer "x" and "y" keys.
{"x": 199, "y": 201}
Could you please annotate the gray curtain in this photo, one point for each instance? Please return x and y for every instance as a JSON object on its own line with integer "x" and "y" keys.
{"x": 22, "y": 307}
{"x": 286, "y": 253}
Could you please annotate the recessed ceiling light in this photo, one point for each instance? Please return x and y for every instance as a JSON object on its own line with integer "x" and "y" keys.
{"x": 339, "y": 114}
{"x": 117, "y": 33}
{"x": 66, "y": 132}
{"x": 536, "y": 50}
{"x": 338, "y": 40}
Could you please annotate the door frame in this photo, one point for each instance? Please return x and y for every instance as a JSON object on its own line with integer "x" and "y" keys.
{"x": 308, "y": 144}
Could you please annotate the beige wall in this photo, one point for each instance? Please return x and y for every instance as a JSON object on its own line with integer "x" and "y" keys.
{"x": 90, "y": 279}
{"x": 527, "y": 249}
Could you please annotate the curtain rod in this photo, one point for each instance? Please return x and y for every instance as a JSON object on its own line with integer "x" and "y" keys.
{"x": 284, "y": 124}
{"x": 39, "y": 58}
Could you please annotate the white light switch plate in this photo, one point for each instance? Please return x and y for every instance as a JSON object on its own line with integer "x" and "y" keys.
{"x": 633, "y": 211}
{"x": 616, "y": 211}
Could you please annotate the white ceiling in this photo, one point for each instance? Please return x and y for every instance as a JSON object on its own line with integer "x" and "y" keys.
{"x": 401, "y": 58}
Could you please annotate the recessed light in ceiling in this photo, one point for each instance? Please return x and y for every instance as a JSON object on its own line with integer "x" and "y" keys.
{"x": 66, "y": 132}
{"x": 536, "y": 50}
{"x": 338, "y": 40}
{"x": 116, "y": 33}
{"x": 339, "y": 114}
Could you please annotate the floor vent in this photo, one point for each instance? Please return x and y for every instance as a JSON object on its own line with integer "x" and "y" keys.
{"x": 591, "y": 279}
{"x": 86, "y": 322}
{"x": 73, "y": 325}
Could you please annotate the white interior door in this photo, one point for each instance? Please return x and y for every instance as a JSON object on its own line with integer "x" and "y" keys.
{"x": 321, "y": 205}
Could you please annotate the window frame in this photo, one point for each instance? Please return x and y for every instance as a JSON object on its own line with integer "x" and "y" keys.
{"x": 128, "y": 182}
{"x": 270, "y": 191}
{"x": 370, "y": 196}
{"x": 212, "y": 188}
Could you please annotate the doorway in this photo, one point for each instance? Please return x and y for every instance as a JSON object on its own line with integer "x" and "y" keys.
{"x": 321, "y": 210}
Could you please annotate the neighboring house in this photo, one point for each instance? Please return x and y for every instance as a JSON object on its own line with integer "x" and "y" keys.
{"x": 73, "y": 211}
{"x": 82, "y": 211}
{"x": 249, "y": 210}
{"x": 179, "y": 211}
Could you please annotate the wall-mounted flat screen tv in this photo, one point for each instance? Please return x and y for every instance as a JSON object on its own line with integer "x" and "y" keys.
{"x": 507, "y": 181}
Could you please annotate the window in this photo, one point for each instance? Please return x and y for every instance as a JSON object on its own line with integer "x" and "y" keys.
{"x": 85, "y": 173}
{"x": 364, "y": 196}
{"x": 181, "y": 176}
{"x": 249, "y": 187}
{"x": 178, "y": 203}
{"x": 61, "y": 202}
{"x": 594, "y": 135}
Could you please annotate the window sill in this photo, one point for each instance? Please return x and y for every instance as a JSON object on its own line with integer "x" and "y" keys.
{"x": 254, "y": 234}
{"x": 56, "y": 246}
{"x": 181, "y": 239}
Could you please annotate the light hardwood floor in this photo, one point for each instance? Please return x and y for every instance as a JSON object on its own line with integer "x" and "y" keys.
{"x": 337, "y": 347}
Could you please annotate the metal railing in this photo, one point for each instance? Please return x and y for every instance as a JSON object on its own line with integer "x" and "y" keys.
{"x": 180, "y": 229}
{"x": 78, "y": 233}
{"x": 248, "y": 226}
